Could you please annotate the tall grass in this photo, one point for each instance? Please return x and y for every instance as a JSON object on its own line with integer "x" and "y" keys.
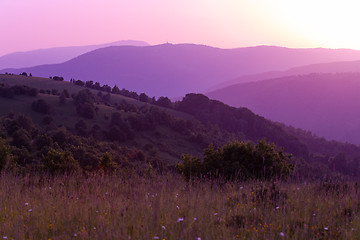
{"x": 167, "y": 207}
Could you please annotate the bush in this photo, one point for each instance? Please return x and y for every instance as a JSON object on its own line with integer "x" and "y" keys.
{"x": 86, "y": 110}
{"x": 4, "y": 154}
{"x": 40, "y": 106}
{"x": 59, "y": 162}
{"x": 238, "y": 160}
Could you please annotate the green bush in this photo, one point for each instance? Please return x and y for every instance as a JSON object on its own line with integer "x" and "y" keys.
{"x": 4, "y": 154}
{"x": 59, "y": 162}
{"x": 238, "y": 160}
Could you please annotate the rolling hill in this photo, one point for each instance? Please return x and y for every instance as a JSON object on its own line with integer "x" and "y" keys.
{"x": 174, "y": 70}
{"x": 326, "y": 104}
{"x": 331, "y": 67}
{"x": 55, "y": 55}
{"x": 35, "y": 119}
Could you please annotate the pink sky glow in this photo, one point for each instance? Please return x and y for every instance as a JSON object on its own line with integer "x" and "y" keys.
{"x": 34, "y": 24}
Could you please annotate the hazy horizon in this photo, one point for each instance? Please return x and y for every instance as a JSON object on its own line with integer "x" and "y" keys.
{"x": 40, "y": 24}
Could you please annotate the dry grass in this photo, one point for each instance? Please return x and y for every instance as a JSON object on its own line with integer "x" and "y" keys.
{"x": 167, "y": 207}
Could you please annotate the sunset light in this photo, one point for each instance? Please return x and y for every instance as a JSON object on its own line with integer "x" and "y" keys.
{"x": 226, "y": 24}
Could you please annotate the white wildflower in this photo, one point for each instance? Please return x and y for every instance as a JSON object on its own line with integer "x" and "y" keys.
{"x": 180, "y": 220}
{"x": 282, "y": 234}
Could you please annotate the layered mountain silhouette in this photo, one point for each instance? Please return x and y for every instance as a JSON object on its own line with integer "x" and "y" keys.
{"x": 174, "y": 70}
{"x": 55, "y": 55}
{"x": 332, "y": 67}
{"x": 326, "y": 104}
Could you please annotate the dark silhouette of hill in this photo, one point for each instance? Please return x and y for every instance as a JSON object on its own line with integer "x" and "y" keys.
{"x": 55, "y": 55}
{"x": 174, "y": 70}
{"x": 326, "y": 104}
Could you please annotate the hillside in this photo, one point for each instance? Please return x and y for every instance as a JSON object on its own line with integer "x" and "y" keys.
{"x": 55, "y": 55}
{"x": 174, "y": 70}
{"x": 87, "y": 123}
{"x": 331, "y": 67}
{"x": 326, "y": 104}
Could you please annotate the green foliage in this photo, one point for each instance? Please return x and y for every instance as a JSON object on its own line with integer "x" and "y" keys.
{"x": 84, "y": 102}
{"x": 190, "y": 167}
{"x": 4, "y": 154}
{"x": 59, "y": 162}
{"x": 106, "y": 164}
{"x": 238, "y": 160}
{"x": 40, "y": 106}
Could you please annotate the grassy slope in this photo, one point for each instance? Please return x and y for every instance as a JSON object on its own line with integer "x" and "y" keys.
{"x": 169, "y": 144}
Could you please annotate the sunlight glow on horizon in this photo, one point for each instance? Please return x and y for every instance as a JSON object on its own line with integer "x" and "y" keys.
{"x": 34, "y": 24}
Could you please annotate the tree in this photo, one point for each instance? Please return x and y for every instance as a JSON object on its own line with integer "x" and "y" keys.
{"x": 115, "y": 90}
{"x": 84, "y": 102}
{"x": 164, "y": 102}
{"x": 143, "y": 97}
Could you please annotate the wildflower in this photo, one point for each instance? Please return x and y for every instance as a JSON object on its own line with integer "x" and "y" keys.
{"x": 163, "y": 227}
{"x": 180, "y": 220}
{"x": 325, "y": 228}
{"x": 30, "y": 210}
{"x": 50, "y": 226}
{"x": 75, "y": 235}
{"x": 277, "y": 207}
{"x": 241, "y": 188}
{"x": 198, "y": 238}
{"x": 177, "y": 207}
{"x": 94, "y": 228}
{"x": 215, "y": 214}
{"x": 195, "y": 218}
{"x": 282, "y": 234}
{"x": 4, "y": 237}
{"x": 156, "y": 237}
{"x": 26, "y": 204}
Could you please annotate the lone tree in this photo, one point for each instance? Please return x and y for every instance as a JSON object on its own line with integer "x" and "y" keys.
{"x": 238, "y": 160}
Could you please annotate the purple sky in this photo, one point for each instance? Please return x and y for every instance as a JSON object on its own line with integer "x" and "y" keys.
{"x": 33, "y": 24}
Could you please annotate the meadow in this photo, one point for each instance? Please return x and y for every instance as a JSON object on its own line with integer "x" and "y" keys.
{"x": 168, "y": 207}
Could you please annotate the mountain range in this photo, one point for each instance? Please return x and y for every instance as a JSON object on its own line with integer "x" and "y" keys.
{"x": 55, "y": 55}
{"x": 325, "y": 103}
{"x": 176, "y": 69}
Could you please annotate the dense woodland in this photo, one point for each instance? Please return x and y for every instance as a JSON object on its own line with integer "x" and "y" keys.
{"x": 113, "y": 130}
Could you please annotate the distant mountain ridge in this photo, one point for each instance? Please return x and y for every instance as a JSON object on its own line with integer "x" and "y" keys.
{"x": 326, "y": 104}
{"x": 55, "y": 55}
{"x": 331, "y": 67}
{"x": 174, "y": 70}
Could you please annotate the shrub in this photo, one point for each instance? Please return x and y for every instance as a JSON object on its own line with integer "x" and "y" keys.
{"x": 239, "y": 160}
{"x": 59, "y": 162}
{"x": 4, "y": 154}
{"x": 40, "y": 106}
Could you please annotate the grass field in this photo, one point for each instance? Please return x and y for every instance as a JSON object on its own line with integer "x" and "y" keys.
{"x": 167, "y": 207}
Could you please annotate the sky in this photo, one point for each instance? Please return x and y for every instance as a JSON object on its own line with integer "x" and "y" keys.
{"x": 34, "y": 24}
